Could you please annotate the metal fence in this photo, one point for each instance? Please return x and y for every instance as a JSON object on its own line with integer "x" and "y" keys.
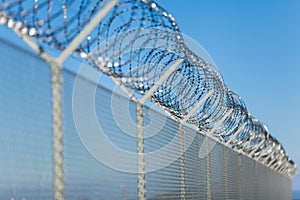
{"x": 174, "y": 130}
{"x": 191, "y": 165}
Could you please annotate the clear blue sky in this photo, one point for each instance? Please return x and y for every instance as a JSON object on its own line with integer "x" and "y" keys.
{"x": 256, "y": 46}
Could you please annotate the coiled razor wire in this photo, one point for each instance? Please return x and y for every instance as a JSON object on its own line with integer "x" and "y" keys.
{"x": 137, "y": 42}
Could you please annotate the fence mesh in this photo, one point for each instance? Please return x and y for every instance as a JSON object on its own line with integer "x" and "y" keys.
{"x": 85, "y": 176}
{"x": 26, "y": 168}
{"x": 25, "y": 121}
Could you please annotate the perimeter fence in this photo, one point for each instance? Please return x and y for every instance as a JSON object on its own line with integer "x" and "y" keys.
{"x": 174, "y": 130}
{"x": 27, "y": 151}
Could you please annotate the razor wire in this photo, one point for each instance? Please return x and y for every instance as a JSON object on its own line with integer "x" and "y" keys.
{"x": 113, "y": 46}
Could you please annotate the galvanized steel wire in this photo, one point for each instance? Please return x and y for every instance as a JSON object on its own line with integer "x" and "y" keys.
{"x": 145, "y": 24}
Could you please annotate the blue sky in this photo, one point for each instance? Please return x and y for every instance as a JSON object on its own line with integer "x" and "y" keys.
{"x": 256, "y": 46}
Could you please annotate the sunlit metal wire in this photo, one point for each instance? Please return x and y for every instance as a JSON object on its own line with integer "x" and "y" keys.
{"x": 137, "y": 42}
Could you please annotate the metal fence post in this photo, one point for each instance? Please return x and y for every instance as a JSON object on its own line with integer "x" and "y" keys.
{"x": 225, "y": 171}
{"x": 208, "y": 185}
{"x": 181, "y": 138}
{"x": 141, "y": 151}
{"x": 240, "y": 177}
{"x": 57, "y": 130}
{"x": 182, "y": 162}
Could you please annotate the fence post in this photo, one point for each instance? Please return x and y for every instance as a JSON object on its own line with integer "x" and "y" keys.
{"x": 57, "y": 131}
{"x": 141, "y": 151}
{"x": 208, "y": 185}
{"x": 225, "y": 171}
{"x": 240, "y": 176}
{"x": 181, "y": 138}
{"x": 182, "y": 162}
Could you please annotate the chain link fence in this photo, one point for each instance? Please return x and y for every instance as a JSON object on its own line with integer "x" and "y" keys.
{"x": 183, "y": 164}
